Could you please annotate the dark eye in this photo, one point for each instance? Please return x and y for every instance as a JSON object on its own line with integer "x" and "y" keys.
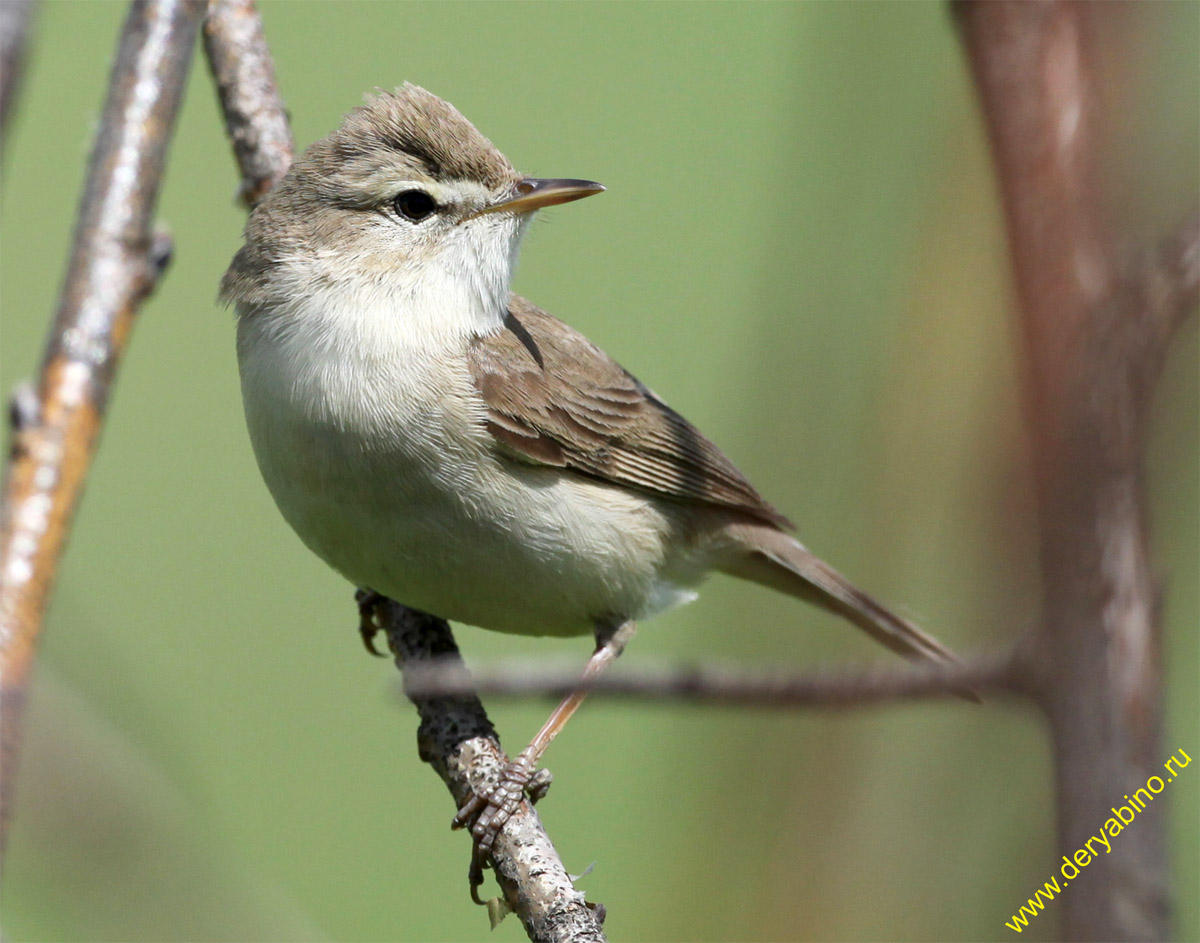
{"x": 414, "y": 205}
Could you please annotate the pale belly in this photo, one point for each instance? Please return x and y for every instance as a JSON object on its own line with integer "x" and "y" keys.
{"x": 439, "y": 521}
{"x": 554, "y": 562}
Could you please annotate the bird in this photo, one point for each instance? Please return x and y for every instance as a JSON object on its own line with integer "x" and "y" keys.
{"x": 438, "y": 439}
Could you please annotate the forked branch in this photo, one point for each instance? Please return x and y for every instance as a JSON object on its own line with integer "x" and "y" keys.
{"x": 1095, "y": 331}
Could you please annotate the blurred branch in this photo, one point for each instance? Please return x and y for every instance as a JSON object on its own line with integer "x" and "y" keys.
{"x": 731, "y": 685}
{"x": 16, "y": 18}
{"x": 1170, "y": 278}
{"x": 455, "y": 735}
{"x": 255, "y": 117}
{"x": 115, "y": 263}
{"x": 1095, "y": 334}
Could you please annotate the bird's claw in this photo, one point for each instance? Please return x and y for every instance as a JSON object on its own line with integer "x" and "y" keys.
{"x": 539, "y": 785}
{"x": 368, "y": 628}
{"x": 487, "y": 815}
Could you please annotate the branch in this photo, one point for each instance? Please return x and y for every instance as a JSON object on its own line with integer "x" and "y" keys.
{"x": 458, "y": 740}
{"x": 115, "y": 263}
{"x": 1095, "y": 333}
{"x": 730, "y": 685}
{"x": 1170, "y": 279}
{"x": 455, "y": 735}
{"x": 255, "y": 117}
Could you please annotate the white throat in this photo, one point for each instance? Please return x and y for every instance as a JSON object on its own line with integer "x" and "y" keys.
{"x": 432, "y": 297}
{"x": 441, "y": 298}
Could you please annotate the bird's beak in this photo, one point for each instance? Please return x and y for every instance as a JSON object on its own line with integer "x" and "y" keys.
{"x": 533, "y": 193}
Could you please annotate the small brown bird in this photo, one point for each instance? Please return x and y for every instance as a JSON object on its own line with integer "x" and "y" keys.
{"x": 444, "y": 442}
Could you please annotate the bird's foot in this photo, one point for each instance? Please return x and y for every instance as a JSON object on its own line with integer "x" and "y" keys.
{"x": 486, "y": 815}
{"x": 368, "y": 628}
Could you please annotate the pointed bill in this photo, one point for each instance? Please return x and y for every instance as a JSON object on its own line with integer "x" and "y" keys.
{"x": 534, "y": 193}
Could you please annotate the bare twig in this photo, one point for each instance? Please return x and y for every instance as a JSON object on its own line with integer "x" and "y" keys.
{"x": 1094, "y": 339}
{"x": 15, "y": 19}
{"x": 116, "y": 261}
{"x": 458, "y": 740}
{"x": 729, "y": 685}
{"x": 255, "y": 117}
{"x": 455, "y": 735}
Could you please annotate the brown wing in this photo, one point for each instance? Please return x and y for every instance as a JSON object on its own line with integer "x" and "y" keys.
{"x": 554, "y": 398}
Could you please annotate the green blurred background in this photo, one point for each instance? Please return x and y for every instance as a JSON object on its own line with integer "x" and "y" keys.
{"x": 800, "y": 250}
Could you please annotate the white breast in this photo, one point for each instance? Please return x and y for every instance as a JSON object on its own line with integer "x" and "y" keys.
{"x": 371, "y": 439}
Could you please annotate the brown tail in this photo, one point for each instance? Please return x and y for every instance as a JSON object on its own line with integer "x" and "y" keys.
{"x": 772, "y": 558}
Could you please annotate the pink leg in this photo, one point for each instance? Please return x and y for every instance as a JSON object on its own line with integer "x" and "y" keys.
{"x": 486, "y": 815}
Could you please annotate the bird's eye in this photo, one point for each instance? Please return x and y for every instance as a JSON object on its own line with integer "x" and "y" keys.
{"x": 414, "y": 205}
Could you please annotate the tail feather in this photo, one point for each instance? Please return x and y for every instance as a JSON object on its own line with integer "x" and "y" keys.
{"x": 772, "y": 558}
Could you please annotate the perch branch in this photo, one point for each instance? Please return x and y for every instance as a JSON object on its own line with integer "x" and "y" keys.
{"x": 458, "y": 740}
{"x": 731, "y": 685}
{"x": 1094, "y": 336}
{"x": 455, "y": 735}
{"x": 116, "y": 261}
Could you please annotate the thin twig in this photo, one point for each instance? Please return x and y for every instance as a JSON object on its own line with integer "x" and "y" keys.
{"x": 255, "y": 117}
{"x": 729, "y": 685}
{"x": 455, "y": 736}
{"x": 115, "y": 263}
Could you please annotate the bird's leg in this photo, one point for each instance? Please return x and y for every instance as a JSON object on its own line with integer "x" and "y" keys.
{"x": 486, "y": 815}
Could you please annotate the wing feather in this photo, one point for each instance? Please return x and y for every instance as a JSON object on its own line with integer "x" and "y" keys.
{"x": 554, "y": 398}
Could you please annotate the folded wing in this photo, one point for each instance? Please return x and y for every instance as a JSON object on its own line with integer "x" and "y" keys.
{"x": 554, "y": 398}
